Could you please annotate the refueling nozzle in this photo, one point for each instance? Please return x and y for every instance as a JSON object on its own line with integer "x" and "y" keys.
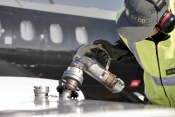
{"x": 73, "y": 76}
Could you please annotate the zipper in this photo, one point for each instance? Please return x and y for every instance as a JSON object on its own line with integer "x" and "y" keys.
{"x": 160, "y": 74}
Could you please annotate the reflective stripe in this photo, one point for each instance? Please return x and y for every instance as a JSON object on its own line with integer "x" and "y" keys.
{"x": 166, "y": 81}
{"x": 156, "y": 80}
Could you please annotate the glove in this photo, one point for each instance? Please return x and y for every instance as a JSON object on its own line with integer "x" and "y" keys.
{"x": 100, "y": 56}
{"x": 114, "y": 51}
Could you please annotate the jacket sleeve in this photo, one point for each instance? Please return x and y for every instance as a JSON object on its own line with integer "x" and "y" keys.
{"x": 125, "y": 52}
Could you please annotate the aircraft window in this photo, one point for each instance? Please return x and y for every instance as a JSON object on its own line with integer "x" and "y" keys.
{"x": 56, "y": 33}
{"x": 1, "y": 30}
{"x": 81, "y": 35}
{"x": 27, "y": 31}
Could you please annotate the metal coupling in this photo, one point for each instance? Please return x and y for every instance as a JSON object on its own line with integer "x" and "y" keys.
{"x": 118, "y": 86}
{"x": 73, "y": 76}
{"x": 114, "y": 84}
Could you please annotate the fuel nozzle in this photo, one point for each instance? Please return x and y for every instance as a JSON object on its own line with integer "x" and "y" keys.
{"x": 72, "y": 78}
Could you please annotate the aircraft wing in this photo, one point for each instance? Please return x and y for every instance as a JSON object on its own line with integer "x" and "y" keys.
{"x": 18, "y": 100}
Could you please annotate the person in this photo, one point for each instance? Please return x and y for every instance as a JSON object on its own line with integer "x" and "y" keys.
{"x": 146, "y": 31}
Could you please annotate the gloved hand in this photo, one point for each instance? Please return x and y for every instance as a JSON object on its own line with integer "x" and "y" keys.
{"x": 100, "y": 56}
{"x": 116, "y": 52}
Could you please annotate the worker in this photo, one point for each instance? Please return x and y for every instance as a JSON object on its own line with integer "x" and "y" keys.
{"x": 146, "y": 30}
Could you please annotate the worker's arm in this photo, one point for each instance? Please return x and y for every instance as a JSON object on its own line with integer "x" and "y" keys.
{"x": 127, "y": 54}
{"x": 117, "y": 51}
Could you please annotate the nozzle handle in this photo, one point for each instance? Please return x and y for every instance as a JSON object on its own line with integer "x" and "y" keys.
{"x": 82, "y": 49}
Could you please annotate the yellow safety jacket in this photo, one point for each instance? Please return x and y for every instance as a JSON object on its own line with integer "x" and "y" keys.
{"x": 158, "y": 62}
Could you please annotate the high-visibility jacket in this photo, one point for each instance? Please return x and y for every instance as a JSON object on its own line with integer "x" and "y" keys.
{"x": 158, "y": 62}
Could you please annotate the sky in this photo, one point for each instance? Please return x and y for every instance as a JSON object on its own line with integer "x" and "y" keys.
{"x": 111, "y": 5}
